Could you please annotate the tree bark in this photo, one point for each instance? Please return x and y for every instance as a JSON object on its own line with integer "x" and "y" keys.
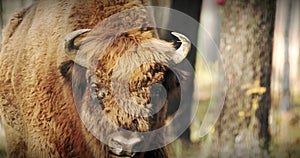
{"x": 246, "y": 48}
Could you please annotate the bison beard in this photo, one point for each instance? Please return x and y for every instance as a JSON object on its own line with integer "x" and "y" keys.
{"x": 42, "y": 115}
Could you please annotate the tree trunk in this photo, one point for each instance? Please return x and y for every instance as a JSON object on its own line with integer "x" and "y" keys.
{"x": 246, "y": 48}
{"x": 285, "y": 101}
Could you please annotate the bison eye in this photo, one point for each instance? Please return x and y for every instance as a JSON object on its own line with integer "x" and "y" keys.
{"x": 101, "y": 94}
{"x": 94, "y": 85}
{"x": 94, "y": 91}
{"x": 97, "y": 92}
{"x": 94, "y": 88}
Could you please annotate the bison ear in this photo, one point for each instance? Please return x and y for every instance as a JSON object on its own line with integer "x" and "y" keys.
{"x": 66, "y": 69}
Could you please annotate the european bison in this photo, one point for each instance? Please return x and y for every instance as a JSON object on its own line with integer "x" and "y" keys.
{"x": 64, "y": 66}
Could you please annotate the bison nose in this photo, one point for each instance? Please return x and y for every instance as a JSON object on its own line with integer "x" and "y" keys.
{"x": 124, "y": 145}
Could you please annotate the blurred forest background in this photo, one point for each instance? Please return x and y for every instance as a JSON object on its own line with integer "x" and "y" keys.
{"x": 259, "y": 44}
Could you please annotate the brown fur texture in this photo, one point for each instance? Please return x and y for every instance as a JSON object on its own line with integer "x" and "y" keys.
{"x": 36, "y": 100}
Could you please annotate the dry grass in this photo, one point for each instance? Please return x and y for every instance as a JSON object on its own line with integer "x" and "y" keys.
{"x": 2, "y": 142}
{"x": 285, "y": 134}
{"x": 179, "y": 149}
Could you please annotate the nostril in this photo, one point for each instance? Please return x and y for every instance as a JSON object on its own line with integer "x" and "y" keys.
{"x": 124, "y": 145}
{"x": 121, "y": 142}
{"x": 117, "y": 146}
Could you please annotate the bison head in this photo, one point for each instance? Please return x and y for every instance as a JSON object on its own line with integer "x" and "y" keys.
{"x": 118, "y": 89}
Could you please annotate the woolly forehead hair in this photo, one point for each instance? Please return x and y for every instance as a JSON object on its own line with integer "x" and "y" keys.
{"x": 99, "y": 47}
{"x": 130, "y": 88}
{"x": 148, "y": 52}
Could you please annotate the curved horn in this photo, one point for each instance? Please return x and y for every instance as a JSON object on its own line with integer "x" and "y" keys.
{"x": 70, "y": 48}
{"x": 183, "y": 50}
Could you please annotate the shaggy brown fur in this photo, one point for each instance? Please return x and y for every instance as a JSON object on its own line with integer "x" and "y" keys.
{"x": 36, "y": 99}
